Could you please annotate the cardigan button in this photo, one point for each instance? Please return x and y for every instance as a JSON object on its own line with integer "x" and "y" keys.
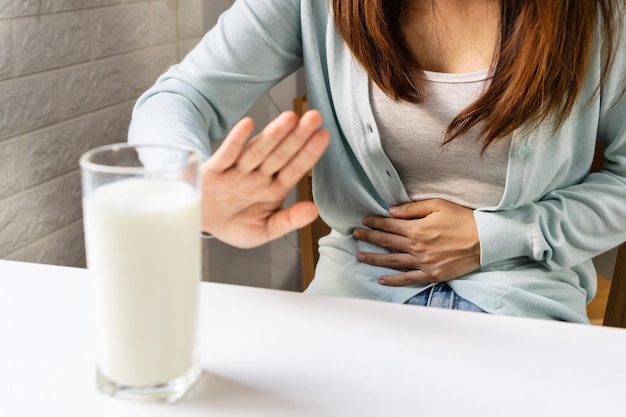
{"x": 523, "y": 151}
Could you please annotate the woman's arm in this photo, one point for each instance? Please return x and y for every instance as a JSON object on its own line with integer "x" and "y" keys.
{"x": 559, "y": 229}
{"x": 254, "y": 45}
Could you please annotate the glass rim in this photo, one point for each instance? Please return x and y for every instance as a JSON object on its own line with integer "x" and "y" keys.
{"x": 86, "y": 164}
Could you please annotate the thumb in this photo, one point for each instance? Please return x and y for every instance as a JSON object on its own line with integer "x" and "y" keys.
{"x": 291, "y": 218}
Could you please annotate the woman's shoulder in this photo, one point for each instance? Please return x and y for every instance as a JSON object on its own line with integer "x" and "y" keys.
{"x": 311, "y": 14}
{"x": 317, "y": 10}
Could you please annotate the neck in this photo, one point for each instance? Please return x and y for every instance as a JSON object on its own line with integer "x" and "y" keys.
{"x": 453, "y": 36}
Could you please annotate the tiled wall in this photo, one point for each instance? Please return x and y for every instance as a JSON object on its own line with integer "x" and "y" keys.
{"x": 70, "y": 71}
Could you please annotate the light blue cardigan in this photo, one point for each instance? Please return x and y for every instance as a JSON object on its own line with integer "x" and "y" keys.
{"x": 536, "y": 244}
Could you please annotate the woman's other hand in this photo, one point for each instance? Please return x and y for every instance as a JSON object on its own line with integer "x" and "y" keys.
{"x": 431, "y": 240}
{"x": 245, "y": 182}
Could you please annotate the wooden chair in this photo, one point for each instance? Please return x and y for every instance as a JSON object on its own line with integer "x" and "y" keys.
{"x": 311, "y": 234}
{"x": 614, "y": 313}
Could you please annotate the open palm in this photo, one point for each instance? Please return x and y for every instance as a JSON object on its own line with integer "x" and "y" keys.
{"x": 245, "y": 182}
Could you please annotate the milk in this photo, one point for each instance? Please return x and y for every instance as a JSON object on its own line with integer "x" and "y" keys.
{"x": 143, "y": 254}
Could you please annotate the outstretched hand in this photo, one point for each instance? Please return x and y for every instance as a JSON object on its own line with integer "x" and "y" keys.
{"x": 431, "y": 241}
{"x": 245, "y": 183}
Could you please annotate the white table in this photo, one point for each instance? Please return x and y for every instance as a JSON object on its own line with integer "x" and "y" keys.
{"x": 276, "y": 353}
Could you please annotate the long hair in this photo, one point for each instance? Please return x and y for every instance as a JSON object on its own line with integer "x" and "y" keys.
{"x": 539, "y": 69}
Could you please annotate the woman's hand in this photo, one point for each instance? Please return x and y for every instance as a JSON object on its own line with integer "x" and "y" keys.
{"x": 245, "y": 183}
{"x": 431, "y": 240}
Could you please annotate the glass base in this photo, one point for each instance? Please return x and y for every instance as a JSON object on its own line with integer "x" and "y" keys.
{"x": 169, "y": 392}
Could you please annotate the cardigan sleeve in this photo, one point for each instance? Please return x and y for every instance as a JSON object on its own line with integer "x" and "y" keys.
{"x": 569, "y": 225}
{"x": 254, "y": 45}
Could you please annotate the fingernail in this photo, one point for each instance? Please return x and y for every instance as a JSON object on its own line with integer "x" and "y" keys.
{"x": 360, "y": 257}
{"x": 382, "y": 281}
{"x": 356, "y": 234}
{"x": 394, "y": 210}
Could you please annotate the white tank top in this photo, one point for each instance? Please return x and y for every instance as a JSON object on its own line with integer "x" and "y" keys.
{"x": 412, "y": 136}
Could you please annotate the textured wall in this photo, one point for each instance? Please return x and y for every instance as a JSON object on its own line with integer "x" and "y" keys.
{"x": 70, "y": 71}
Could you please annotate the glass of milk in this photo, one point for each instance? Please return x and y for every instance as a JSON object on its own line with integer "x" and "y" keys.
{"x": 141, "y": 208}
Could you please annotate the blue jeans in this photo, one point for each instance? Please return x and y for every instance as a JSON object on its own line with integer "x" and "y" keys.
{"x": 442, "y": 296}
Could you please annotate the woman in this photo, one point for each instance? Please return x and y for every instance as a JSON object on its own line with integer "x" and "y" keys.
{"x": 456, "y": 143}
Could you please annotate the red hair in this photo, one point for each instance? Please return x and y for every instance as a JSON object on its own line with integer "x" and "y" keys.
{"x": 540, "y": 66}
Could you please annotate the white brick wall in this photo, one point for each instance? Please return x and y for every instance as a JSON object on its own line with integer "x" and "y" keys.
{"x": 70, "y": 71}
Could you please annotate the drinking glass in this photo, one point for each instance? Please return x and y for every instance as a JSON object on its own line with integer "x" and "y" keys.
{"x": 141, "y": 209}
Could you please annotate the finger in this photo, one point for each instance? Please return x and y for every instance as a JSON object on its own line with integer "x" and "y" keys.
{"x": 308, "y": 125}
{"x": 387, "y": 224}
{"x": 397, "y": 261}
{"x": 416, "y": 209}
{"x": 291, "y": 218}
{"x": 406, "y": 278}
{"x": 263, "y": 144}
{"x": 230, "y": 149}
{"x": 384, "y": 239}
{"x": 304, "y": 160}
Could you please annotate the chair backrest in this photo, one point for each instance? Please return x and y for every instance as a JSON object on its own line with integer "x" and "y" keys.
{"x": 615, "y": 313}
{"x": 309, "y": 235}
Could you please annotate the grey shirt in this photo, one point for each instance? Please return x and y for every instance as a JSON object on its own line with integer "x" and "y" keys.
{"x": 412, "y": 136}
